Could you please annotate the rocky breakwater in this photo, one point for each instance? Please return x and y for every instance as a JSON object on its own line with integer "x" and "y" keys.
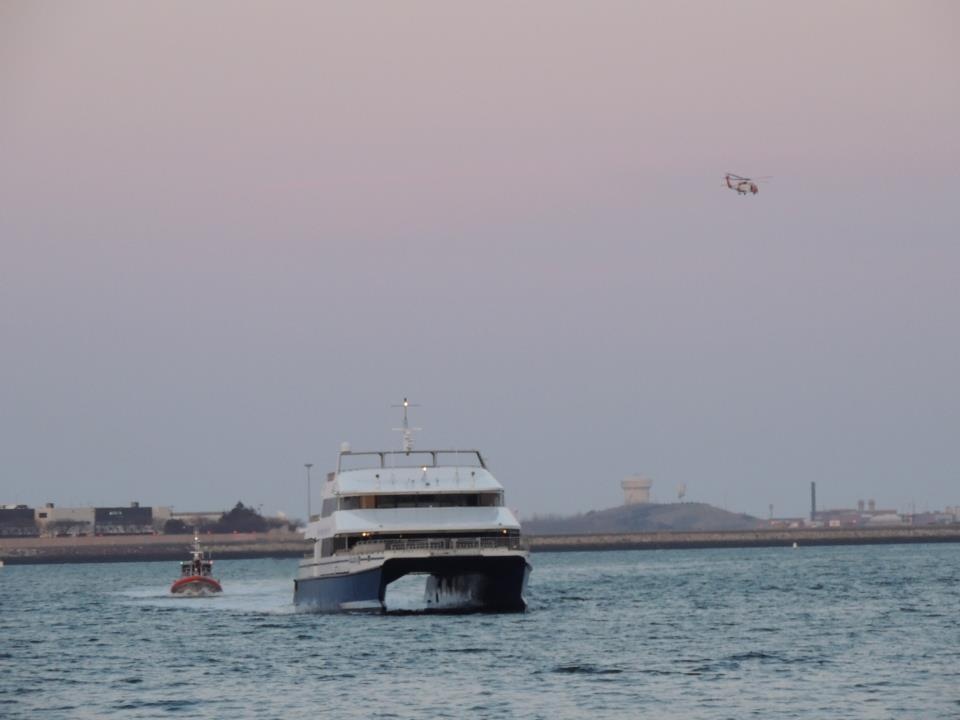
{"x": 765, "y": 537}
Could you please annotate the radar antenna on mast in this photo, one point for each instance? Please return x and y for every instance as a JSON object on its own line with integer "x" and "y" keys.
{"x": 406, "y": 429}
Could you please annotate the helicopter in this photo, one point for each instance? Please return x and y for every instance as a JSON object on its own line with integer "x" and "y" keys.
{"x": 742, "y": 185}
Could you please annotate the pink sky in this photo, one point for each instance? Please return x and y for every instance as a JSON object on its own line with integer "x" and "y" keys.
{"x": 232, "y": 234}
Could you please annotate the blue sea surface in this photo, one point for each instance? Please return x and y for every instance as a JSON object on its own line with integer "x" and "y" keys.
{"x": 849, "y": 632}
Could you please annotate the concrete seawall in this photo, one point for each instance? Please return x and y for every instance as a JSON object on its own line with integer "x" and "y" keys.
{"x": 133, "y": 548}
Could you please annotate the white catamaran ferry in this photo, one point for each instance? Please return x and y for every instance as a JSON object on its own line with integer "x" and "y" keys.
{"x": 438, "y": 513}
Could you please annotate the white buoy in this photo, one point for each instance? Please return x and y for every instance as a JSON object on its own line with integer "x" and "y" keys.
{"x": 794, "y": 546}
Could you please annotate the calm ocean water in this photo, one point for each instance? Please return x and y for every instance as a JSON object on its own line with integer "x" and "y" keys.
{"x": 855, "y": 632}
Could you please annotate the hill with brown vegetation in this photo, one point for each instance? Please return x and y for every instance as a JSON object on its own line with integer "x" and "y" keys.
{"x": 679, "y": 517}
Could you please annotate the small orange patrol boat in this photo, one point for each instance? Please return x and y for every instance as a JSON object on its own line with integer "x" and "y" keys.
{"x": 196, "y": 575}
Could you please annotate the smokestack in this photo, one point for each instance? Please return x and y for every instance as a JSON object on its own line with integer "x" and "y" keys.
{"x": 860, "y": 504}
{"x": 813, "y": 501}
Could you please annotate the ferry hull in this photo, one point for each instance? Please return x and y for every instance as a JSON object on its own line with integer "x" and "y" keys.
{"x": 455, "y": 584}
{"x": 344, "y": 592}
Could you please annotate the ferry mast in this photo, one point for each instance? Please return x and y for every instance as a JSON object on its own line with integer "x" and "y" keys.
{"x": 406, "y": 429}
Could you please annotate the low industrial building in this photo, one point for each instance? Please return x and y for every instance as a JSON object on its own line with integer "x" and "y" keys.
{"x": 17, "y": 521}
{"x": 198, "y": 518}
{"x": 64, "y": 522}
{"x": 133, "y": 519}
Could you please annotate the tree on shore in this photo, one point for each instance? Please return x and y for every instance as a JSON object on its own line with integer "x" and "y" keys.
{"x": 240, "y": 519}
{"x": 176, "y": 526}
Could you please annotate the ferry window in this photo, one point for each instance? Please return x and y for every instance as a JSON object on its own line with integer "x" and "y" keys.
{"x": 329, "y": 506}
{"x": 414, "y": 500}
{"x": 349, "y": 503}
{"x": 419, "y": 500}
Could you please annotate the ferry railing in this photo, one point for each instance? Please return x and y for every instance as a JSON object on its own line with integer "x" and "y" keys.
{"x": 441, "y": 544}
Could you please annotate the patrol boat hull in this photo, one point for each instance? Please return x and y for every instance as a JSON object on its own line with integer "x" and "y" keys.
{"x": 195, "y": 586}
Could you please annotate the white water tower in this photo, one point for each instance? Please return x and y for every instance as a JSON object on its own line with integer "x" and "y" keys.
{"x": 636, "y": 490}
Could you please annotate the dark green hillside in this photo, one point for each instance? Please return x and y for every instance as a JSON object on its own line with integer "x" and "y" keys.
{"x": 681, "y": 517}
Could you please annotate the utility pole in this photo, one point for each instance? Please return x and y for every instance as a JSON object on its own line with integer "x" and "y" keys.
{"x": 308, "y": 466}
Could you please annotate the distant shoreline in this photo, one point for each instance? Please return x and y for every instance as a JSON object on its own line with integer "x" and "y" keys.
{"x": 765, "y": 537}
{"x": 143, "y": 548}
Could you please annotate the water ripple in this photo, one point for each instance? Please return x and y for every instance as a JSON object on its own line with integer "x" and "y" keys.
{"x": 857, "y": 632}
